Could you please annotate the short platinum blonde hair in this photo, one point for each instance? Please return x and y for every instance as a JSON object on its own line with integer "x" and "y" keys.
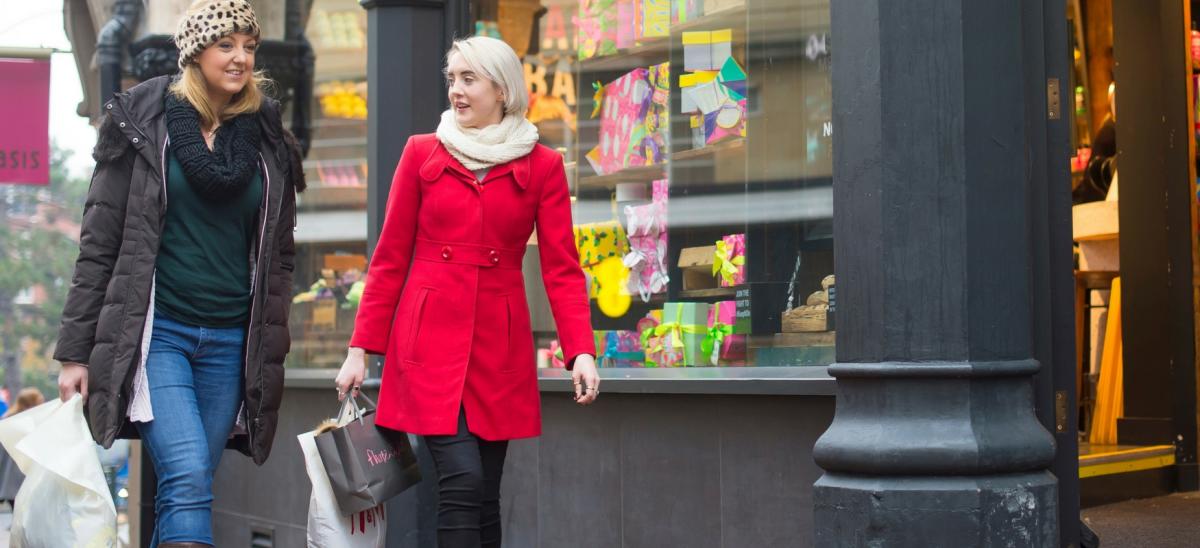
{"x": 495, "y": 60}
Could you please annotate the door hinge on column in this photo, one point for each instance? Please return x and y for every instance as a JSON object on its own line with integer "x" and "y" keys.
{"x": 1053, "y": 99}
{"x": 1060, "y": 411}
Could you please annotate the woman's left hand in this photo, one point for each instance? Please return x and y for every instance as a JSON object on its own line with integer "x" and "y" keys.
{"x": 586, "y": 379}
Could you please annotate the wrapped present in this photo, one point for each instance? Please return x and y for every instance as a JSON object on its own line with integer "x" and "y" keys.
{"x": 596, "y": 27}
{"x": 647, "y": 257}
{"x": 685, "y": 327}
{"x": 654, "y": 18}
{"x": 727, "y": 122}
{"x": 653, "y": 143}
{"x": 733, "y": 77}
{"x": 723, "y": 345}
{"x": 687, "y": 83}
{"x": 697, "y": 50}
{"x": 729, "y": 260}
{"x": 707, "y": 98}
{"x": 660, "y": 192}
{"x": 653, "y": 339}
{"x": 599, "y": 241}
{"x": 698, "y": 138}
{"x": 722, "y": 47}
{"x": 683, "y": 11}
{"x": 626, "y": 23}
{"x": 596, "y": 242}
{"x": 620, "y": 349}
{"x": 707, "y": 50}
{"x": 622, "y": 122}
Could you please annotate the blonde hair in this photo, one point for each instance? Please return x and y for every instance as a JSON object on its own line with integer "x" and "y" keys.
{"x": 496, "y": 61}
{"x": 27, "y": 399}
{"x": 192, "y": 86}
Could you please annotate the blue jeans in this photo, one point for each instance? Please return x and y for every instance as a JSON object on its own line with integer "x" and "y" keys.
{"x": 195, "y": 376}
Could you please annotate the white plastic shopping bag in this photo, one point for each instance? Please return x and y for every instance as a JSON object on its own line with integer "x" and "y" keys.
{"x": 327, "y": 527}
{"x": 64, "y": 500}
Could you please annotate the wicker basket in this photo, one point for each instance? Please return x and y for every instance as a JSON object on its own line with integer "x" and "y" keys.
{"x": 516, "y": 23}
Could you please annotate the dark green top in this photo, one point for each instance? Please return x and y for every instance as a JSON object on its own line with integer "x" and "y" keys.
{"x": 203, "y": 265}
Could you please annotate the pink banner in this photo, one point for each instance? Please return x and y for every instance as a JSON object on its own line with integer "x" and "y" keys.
{"x": 25, "y": 121}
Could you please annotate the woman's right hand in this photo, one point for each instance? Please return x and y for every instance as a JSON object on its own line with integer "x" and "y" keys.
{"x": 71, "y": 380}
{"x": 354, "y": 370}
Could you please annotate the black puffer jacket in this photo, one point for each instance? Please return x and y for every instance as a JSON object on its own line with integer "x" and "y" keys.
{"x": 105, "y": 313}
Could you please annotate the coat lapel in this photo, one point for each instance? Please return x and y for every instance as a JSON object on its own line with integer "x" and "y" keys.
{"x": 441, "y": 160}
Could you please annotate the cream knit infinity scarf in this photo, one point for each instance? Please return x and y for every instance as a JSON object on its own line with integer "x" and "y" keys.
{"x": 477, "y": 149}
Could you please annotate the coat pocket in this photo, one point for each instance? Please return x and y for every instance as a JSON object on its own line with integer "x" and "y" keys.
{"x": 413, "y": 338}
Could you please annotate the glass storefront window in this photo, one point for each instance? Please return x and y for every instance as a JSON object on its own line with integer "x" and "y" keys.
{"x": 331, "y": 236}
{"x": 697, "y": 137}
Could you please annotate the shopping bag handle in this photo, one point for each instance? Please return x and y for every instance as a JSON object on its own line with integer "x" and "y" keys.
{"x": 353, "y": 402}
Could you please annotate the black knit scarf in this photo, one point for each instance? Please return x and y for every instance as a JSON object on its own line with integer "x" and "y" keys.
{"x": 223, "y": 173}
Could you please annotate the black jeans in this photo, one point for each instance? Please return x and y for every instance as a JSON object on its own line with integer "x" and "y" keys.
{"x": 468, "y": 470}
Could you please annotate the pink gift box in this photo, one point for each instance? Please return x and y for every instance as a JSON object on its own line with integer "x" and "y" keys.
{"x": 732, "y": 350}
{"x": 626, "y": 100}
{"x": 735, "y": 245}
{"x": 647, "y": 232}
{"x": 727, "y": 122}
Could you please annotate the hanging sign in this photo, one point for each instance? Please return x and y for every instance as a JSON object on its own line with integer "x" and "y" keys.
{"x": 24, "y": 121}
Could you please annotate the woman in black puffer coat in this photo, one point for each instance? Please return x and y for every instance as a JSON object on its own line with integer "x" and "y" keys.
{"x": 175, "y": 326}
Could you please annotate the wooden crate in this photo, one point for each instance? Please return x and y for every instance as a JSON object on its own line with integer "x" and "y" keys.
{"x": 696, "y": 264}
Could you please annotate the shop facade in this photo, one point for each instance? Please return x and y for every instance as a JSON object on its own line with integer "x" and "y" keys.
{"x": 755, "y": 392}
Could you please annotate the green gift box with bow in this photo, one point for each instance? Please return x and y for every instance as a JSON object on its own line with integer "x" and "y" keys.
{"x": 685, "y": 326}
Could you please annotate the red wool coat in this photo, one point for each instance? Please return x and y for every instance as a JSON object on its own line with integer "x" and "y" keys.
{"x": 445, "y": 298}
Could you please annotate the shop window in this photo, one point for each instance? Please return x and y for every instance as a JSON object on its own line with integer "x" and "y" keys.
{"x": 331, "y": 236}
{"x": 697, "y": 136}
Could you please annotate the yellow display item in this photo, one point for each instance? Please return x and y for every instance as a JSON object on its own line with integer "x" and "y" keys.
{"x": 612, "y": 294}
{"x": 1110, "y": 398}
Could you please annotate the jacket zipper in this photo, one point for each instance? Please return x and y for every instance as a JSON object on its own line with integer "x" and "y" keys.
{"x": 262, "y": 243}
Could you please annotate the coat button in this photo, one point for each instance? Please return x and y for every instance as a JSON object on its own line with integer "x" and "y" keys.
{"x": 494, "y": 256}
{"x": 108, "y": 106}
{"x": 122, "y": 124}
{"x": 135, "y": 140}
{"x": 446, "y": 252}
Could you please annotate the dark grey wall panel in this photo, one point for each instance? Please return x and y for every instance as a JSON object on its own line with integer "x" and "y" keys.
{"x": 635, "y": 470}
{"x": 658, "y": 470}
{"x": 670, "y": 474}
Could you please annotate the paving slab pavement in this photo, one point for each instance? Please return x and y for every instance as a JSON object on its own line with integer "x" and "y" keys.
{"x": 1170, "y": 521}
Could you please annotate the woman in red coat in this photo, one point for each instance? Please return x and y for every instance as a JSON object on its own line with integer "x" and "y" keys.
{"x": 445, "y": 298}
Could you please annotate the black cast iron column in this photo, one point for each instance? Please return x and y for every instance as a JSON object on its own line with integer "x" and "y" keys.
{"x": 935, "y": 441}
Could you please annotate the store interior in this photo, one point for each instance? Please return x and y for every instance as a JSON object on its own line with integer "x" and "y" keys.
{"x": 1134, "y": 354}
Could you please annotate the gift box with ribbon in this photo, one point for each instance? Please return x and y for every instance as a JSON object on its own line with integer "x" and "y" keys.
{"x": 647, "y": 257}
{"x": 729, "y": 261}
{"x": 685, "y": 327}
{"x": 652, "y": 340}
{"x": 723, "y": 345}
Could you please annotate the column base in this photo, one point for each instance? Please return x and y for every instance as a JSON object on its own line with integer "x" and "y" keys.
{"x": 993, "y": 510}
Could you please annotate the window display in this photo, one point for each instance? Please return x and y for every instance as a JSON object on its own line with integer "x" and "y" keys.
{"x": 331, "y": 235}
{"x": 697, "y": 137}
